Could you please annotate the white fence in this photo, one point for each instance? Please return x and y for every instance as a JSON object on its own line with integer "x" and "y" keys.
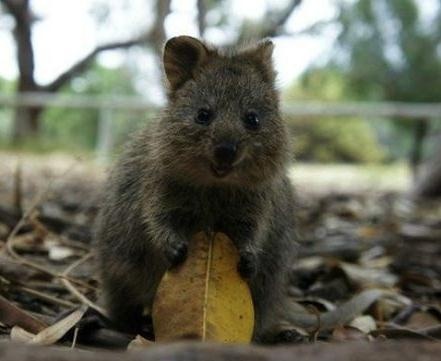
{"x": 300, "y": 109}
{"x": 107, "y": 104}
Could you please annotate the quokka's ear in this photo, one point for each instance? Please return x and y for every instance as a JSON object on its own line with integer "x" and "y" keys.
{"x": 183, "y": 55}
{"x": 261, "y": 55}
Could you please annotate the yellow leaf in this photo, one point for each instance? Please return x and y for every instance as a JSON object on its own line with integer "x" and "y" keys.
{"x": 205, "y": 298}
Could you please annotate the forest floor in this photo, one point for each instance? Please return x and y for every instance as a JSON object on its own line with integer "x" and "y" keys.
{"x": 358, "y": 230}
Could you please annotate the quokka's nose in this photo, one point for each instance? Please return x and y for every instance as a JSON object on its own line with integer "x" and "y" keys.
{"x": 225, "y": 152}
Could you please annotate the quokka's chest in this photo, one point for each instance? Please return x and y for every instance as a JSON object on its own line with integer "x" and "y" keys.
{"x": 210, "y": 208}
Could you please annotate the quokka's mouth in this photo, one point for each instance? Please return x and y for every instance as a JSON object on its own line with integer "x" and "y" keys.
{"x": 221, "y": 171}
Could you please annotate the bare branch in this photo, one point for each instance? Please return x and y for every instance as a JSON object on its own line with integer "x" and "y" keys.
{"x": 272, "y": 23}
{"x": 312, "y": 29}
{"x": 155, "y": 37}
{"x": 280, "y": 19}
{"x": 84, "y": 63}
{"x": 157, "y": 34}
{"x": 201, "y": 14}
{"x": 14, "y": 6}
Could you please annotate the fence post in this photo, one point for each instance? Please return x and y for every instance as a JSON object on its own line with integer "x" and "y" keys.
{"x": 104, "y": 142}
{"x": 420, "y": 131}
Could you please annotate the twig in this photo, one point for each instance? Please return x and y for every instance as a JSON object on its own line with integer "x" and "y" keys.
{"x": 77, "y": 293}
{"x": 398, "y": 332}
{"x": 10, "y": 314}
{"x": 17, "y": 193}
{"x": 46, "y": 297}
{"x": 75, "y": 336}
{"x": 72, "y": 244}
{"x": 41, "y": 285}
{"x": 25, "y": 216}
{"x": 433, "y": 331}
{"x": 314, "y": 333}
{"x": 30, "y": 264}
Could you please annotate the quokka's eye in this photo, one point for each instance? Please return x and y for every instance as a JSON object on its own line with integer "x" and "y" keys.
{"x": 203, "y": 116}
{"x": 251, "y": 121}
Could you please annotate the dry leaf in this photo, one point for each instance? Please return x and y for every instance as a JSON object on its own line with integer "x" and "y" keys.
{"x": 369, "y": 231}
{"x": 205, "y": 298}
{"x": 53, "y": 333}
{"x": 364, "y": 323}
{"x": 139, "y": 342}
{"x": 12, "y": 315}
{"x": 59, "y": 253}
{"x": 420, "y": 320}
{"x": 341, "y": 315}
{"x": 369, "y": 276}
{"x": 388, "y": 307}
{"x": 21, "y": 335}
{"x": 347, "y": 333}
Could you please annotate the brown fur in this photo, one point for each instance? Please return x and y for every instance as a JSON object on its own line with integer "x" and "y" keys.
{"x": 167, "y": 185}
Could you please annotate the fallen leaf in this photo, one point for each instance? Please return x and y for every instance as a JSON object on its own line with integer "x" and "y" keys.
{"x": 420, "y": 320}
{"x": 316, "y": 302}
{"x": 368, "y": 232}
{"x": 369, "y": 276}
{"x": 398, "y": 332}
{"x": 347, "y": 333}
{"x": 388, "y": 307}
{"x": 139, "y": 342}
{"x": 365, "y": 324}
{"x": 11, "y": 315}
{"x": 14, "y": 270}
{"x": 59, "y": 253}
{"x": 341, "y": 315}
{"x": 21, "y": 335}
{"x": 205, "y": 298}
{"x": 53, "y": 333}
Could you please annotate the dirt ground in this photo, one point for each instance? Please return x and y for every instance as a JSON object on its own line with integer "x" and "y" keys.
{"x": 353, "y": 237}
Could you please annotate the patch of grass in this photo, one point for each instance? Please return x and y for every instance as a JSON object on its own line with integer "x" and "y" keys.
{"x": 43, "y": 146}
{"x": 346, "y": 177}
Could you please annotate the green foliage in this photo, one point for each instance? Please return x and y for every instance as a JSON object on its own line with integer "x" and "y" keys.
{"x": 326, "y": 84}
{"x": 348, "y": 140}
{"x": 388, "y": 51}
{"x": 385, "y": 50}
{"x": 329, "y": 139}
{"x": 77, "y": 129}
{"x": 392, "y": 53}
{"x": 6, "y": 87}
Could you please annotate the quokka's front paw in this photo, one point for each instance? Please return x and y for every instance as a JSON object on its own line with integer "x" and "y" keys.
{"x": 176, "y": 252}
{"x": 247, "y": 266}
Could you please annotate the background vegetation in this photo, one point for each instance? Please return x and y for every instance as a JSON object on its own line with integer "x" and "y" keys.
{"x": 383, "y": 51}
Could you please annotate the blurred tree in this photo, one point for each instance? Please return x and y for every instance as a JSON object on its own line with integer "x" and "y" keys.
{"x": 6, "y": 86}
{"x": 389, "y": 52}
{"x": 271, "y": 24}
{"x": 77, "y": 128}
{"x": 27, "y": 119}
{"x": 330, "y": 139}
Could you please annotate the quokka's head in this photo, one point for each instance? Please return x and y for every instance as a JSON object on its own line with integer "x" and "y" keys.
{"x": 222, "y": 125}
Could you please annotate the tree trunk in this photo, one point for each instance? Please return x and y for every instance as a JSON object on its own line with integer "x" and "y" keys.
{"x": 416, "y": 153}
{"x": 26, "y": 119}
{"x": 26, "y": 124}
{"x": 428, "y": 184}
